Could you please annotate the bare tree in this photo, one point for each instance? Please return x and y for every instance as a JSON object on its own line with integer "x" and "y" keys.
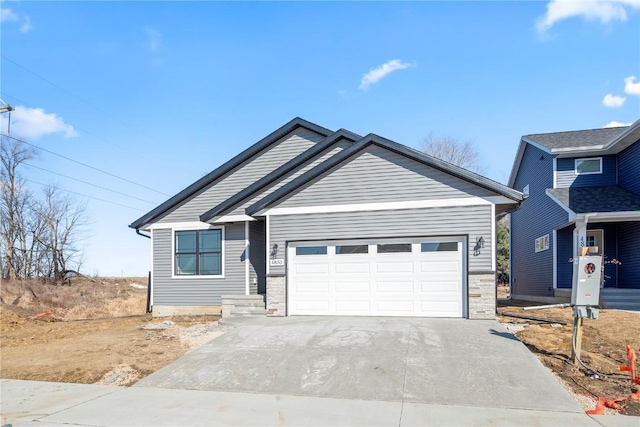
{"x": 452, "y": 150}
{"x": 14, "y": 202}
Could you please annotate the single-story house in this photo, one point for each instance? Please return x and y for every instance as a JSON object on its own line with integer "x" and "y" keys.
{"x": 325, "y": 222}
{"x": 583, "y": 190}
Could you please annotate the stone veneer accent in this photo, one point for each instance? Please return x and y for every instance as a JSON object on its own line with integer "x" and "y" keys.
{"x": 276, "y": 295}
{"x": 482, "y": 295}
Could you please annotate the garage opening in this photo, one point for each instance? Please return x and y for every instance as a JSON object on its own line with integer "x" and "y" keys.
{"x": 419, "y": 277}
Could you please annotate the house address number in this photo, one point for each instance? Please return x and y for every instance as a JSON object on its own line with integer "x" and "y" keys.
{"x": 276, "y": 262}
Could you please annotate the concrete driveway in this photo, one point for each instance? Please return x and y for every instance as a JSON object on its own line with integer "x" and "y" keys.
{"x": 433, "y": 361}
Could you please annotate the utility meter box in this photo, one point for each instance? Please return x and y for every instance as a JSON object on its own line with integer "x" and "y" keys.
{"x": 586, "y": 280}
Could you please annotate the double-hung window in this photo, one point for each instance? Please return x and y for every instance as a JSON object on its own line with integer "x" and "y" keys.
{"x": 198, "y": 252}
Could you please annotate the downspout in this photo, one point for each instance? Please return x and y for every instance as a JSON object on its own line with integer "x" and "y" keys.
{"x": 580, "y": 227}
{"x": 148, "y": 310}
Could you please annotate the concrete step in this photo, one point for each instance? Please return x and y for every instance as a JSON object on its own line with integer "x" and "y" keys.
{"x": 633, "y": 306}
{"x": 248, "y": 311}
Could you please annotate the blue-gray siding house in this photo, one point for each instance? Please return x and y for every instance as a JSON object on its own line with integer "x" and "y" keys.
{"x": 329, "y": 223}
{"x": 583, "y": 190}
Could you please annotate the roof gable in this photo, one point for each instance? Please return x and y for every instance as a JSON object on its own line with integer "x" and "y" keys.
{"x": 279, "y": 174}
{"x": 402, "y": 152}
{"x": 228, "y": 167}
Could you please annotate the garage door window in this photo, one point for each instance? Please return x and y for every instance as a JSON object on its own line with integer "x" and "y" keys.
{"x": 352, "y": 249}
{"x": 439, "y": 247}
{"x": 311, "y": 250}
{"x": 394, "y": 248}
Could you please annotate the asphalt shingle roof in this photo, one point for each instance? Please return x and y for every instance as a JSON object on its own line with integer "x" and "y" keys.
{"x": 577, "y": 138}
{"x": 608, "y": 198}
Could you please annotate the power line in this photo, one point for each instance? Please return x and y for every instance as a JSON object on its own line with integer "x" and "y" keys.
{"x": 84, "y": 164}
{"x": 84, "y": 195}
{"x": 89, "y": 183}
{"x": 67, "y": 92}
{"x": 5, "y": 94}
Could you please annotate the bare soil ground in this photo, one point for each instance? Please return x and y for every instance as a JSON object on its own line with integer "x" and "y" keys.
{"x": 503, "y": 291}
{"x": 115, "y": 349}
{"x": 603, "y": 349}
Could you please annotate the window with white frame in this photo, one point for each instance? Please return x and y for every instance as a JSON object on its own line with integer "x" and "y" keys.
{"x": 542, "y": 243}
{"x": 198, "y": 252}
{"x": 588, "y": 166}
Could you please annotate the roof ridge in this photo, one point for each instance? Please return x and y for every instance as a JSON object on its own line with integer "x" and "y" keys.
{"x": 579, "y": 130}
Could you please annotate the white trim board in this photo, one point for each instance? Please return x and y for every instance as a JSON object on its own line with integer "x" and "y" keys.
{"x": 379, "y": 206}
{"x": 184, "y": 225}
{"x": 247, "y": 258}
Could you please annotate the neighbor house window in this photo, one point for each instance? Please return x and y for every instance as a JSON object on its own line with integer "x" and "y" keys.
{"x": 542, "y": 243}
{"x": 588, "y": 166}
{"x": 198, "y": 252}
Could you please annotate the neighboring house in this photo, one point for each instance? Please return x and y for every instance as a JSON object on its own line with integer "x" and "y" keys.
{"x": 583, "y": 190}
{"x": 330, "y": 223}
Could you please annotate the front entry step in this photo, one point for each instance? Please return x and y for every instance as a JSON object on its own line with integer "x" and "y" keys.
{"x": 243, "y": 305}
{"x": 621, "y": 299}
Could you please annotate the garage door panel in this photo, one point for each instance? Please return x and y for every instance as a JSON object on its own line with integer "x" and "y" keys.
{"x": 312, "y": 268}
{"x": 353, "y": 306}
{"x": 351, "y": 286}
{"x": 384, "y": 286}
{"x": 352, "y": 267}
{"x": 318, "y": 287}
{"x": 428, "y": 281}
{"x": 389, "y": 266}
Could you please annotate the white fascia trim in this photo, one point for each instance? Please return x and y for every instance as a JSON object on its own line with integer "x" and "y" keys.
{"x": 361, "y": 207}
{"x": 555, "y": 172}
{"x": 537, "y": 145}
{"x": 554, "y": 238}
{"x": 268, "y": 242}
{"x": 246, "y": 257}
{"x": 572, "y": 214}
{"x": 578, "y": 149}
{"x": 494, "y": 238}
{"x": 151, "y": 269}
{"x": 233, "y": 218}
{"x": 187, "y": 225}
{"x": 610, "y": 216}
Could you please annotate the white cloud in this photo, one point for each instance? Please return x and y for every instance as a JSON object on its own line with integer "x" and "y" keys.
{"x": 613, "y": 101}
{"x": 630, "y": 87}
{"x": 615, "y": 124}
{"x": 26, "y": 25}
{"x": 34, "y": 123}
{"x": 154, "y": 38}
{"x": 382, "y": 71}
{"x": 604, "y": 11}
{"x": 7, "y": 15}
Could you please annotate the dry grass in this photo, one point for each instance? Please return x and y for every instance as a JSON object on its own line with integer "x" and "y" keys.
{"x": 82, "y": 298}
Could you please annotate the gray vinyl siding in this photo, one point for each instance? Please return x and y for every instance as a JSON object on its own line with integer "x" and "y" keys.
{"x": 531, "y": 272}
{"x": 566, "y": 175}
{"x": 565, "y": 253}
{"x": 629, "y": 271}
{"x": 197, "y": 291}
{"x": 247, "y": 173}
{"x": 335, "y": 149}
{"x": 258, "y": 257}
{"x": 378, "y": 175}
{"x": 629, "y": 168}
{"x": 474, "y": 221}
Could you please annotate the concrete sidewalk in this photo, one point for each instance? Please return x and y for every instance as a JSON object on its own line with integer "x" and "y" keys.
{"x": 34, "y": 403}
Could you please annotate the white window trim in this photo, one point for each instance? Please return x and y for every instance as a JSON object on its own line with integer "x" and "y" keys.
{"x": 594, "y": 231}
{"x": 575, "y": 166}
{"x": 199, "y": 227}
{"x": 542, "y": 243}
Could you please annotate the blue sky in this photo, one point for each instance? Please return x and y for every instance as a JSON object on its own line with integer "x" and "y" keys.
{"x": 161, "y": 93}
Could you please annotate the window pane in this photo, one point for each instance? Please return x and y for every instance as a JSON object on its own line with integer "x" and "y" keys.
{"x": 186, "y": 264}
{"x": 210, "y": 264}
{"x": 394, "y": 247}
{"x": 185, "y": 241}
{"x": 588, "y": 166}
{"x": 352, "y": 249}
{"x": 311, "y": 250}
{"x": 210, "y": 241}
{"x": 440, "y": 247}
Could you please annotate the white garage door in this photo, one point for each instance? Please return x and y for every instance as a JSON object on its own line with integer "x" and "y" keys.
{"x": 391, "y": 277}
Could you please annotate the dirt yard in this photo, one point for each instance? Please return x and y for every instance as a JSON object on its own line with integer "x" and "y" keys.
{"x": 603, "y": 349}
{"x": 118, "y": 349}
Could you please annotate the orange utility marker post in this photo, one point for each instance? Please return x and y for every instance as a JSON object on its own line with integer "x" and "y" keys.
{"x": 631, "y": 355}
{"x": 585, "y": 295}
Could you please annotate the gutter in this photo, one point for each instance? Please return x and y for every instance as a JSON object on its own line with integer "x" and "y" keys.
{"x": 139, "y": 233}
